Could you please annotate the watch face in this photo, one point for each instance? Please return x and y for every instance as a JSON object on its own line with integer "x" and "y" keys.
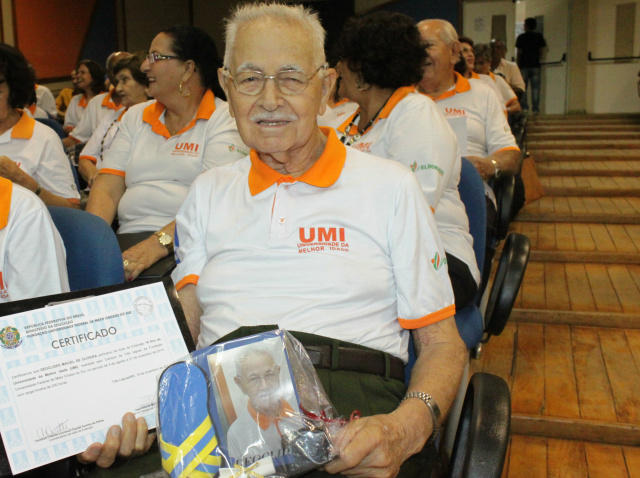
{"x": 165, "y": 239}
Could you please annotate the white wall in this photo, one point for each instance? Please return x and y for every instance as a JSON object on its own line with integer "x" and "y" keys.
{"x": 477, "y": 22}
{"x": 611, "y": 87}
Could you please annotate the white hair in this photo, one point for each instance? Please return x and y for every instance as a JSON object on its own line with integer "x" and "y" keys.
{"x": 448, "y": 33}
{"x": 305, "y": 17}
{"x": 242, "y": 357}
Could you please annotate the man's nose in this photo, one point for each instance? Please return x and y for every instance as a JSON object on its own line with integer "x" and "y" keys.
{"x": 270, "y": 98}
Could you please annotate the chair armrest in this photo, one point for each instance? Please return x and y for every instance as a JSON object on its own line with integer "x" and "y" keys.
{"x": 506, "y": 283}
{"x": 503, "y": 188}
{"x": 482, "y": 437}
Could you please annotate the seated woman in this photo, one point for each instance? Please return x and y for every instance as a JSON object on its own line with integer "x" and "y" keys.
{"x": 163, "y": 145}
{"x": 381, "y": 58}
{"x": 31, "y": 153}
{"x": 89, "y": 79}
{"x": 32, "y": 256}
{"x": 482, "y": 54}
{"x": 131, "y": 85}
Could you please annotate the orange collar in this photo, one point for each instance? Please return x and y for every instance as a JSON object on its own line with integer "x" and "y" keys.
{"x": 322, "y": 174}
{"x": 6, "y": 189}
{"x": 264, "y": 421}
{"x": 83, "y": 101}
{"x": 107, "y": 101}
{"x": 475, "y": 76}
{"x": 493, "y": 77}
{"x": 152, "y": 113}
{"x": 341, "y": 102}
{"x": 393, "y": 100}
{"x": 23, "y": 129}
{"x": 462, "y": 85}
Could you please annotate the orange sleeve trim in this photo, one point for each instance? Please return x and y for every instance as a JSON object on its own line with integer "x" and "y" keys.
{"x": 75, "y": 139}
{"x": 512, "y": 100}
{"x": 6, "y": 190}
{"x": 115, "y": 172}
{"x": 190, "y": 279}
{"x": 73, "y": 200}
{"x": 432, "y": 210}
{"x": 509, "y": 148}
{"x": 89, "y": 158}
{"x": 428, "y": 319}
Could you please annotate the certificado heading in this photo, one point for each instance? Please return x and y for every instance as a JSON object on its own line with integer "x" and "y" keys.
{"x": 78, "y": 339}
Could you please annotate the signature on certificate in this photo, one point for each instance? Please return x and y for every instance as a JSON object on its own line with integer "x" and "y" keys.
{"x": 51, "y": 432}
{"x": 146, "y": 402}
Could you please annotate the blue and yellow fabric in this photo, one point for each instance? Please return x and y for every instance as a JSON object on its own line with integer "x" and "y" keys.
{"x": 187, "y": 437}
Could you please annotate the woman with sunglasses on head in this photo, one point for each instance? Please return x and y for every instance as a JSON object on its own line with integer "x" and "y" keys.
{"x": 164, "y": 144}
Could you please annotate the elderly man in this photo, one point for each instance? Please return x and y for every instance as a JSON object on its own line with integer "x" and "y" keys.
{"x": 508, "y": 69}
{"x": 474, "y": 111}
{"x": 259, "y": 426}
{"x": 325, "y": 240}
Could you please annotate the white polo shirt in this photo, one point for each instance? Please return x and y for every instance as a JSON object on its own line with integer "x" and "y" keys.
{"x": 487, "y": 80}
{"x": 511, "y": 73}
{"x": 45, "y": 100}
{"x": 32, "y": 255}
{"x": 38, "y": 151}
{"x": 102, "y": 137}
{"x": 487, "y": 130}
{"x": 75, "y": 110}
{"x": 99, "y": 106}
{"x": 411, "y": 130}
{"x": 348, "y": 250}
{"x": 335, "y": 115}
{"x": 159, "y": 168}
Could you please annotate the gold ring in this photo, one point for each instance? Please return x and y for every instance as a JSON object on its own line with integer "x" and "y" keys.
{"x": 125, "y": 263}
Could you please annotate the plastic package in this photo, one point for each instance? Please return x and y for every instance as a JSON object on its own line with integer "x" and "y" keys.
{"x": 251, "y": 407}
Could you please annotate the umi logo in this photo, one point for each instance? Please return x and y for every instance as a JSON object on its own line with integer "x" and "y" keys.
{"x": 455, "y": 112}
{"x": 187, "y": 147}
{"x": 330, "y": 234}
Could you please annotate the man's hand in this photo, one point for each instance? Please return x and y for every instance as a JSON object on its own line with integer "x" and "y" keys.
{"x": 142, "y": 256}
{"x": 484, "y": 166}
{"x": 377, "y": 446}
{"x": 133, "y": 439}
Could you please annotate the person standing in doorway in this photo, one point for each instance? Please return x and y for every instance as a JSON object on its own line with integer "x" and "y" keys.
{"x": 529, "y": 45}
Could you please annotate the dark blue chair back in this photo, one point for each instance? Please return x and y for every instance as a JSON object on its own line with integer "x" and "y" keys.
{"x": 54, "y": 125}
{"x": 471, "y": 188}
{"x": 93, "y": 255}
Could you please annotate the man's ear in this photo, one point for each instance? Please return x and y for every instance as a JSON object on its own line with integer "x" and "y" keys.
{"x": 455, "y": 52}
{"x": 222, "y": 79}
{"x": 327, "y": 87}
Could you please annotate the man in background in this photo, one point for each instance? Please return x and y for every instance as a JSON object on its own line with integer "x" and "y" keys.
{"x": 529, "y": 45}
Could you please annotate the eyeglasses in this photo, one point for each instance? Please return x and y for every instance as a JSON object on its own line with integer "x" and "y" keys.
{"x": 289, "y": 82}
{"x": 153, "y": 57}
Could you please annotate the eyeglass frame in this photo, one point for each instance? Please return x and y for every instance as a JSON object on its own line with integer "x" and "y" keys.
{"x": 274, "y": 78}
{"x": 153, "y": 57}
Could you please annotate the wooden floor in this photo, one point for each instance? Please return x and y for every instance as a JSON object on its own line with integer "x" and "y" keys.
{"x": 571, "y": 352}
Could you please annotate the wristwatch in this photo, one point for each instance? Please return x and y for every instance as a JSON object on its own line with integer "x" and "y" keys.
{"x": 165, "y": 239}
{"x": 496, "y": 174}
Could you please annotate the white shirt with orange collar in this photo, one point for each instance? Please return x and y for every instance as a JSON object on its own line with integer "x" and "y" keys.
{"x": 487, "y": 80}
{"x": 32, "y": 255}
{"x": 99, "y": 107}
{"x": 348, "y": 250}
{"x": 336, "y": 114}
{"x": 511, "y": 73}
{"x": 75, "y": 110}
{"x": 159, "y": 168}
{"x": 102, "y": 137}
{"x": 38, "y": 151}
{"x": 411, "y": 129}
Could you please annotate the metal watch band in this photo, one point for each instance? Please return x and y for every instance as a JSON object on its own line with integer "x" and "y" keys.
{"x": 433, "y": 409}
{"x": 496, "y": 174}
{"x": 38, "y": 190}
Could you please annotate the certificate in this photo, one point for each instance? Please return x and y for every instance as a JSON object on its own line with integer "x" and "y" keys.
{"x": 71, "y": 370}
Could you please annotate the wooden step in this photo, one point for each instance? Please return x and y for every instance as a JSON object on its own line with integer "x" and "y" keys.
{"x": 581, "y": 287}
{"x": 543, "y": 155}
{"x": 586, "y": 430}
{"x": 541, "y": 457}
{"x": 593, "y": 186}
{"x": 566, "y": 374}
{"x": 572, "y": 317}
{"x": 584, "y": 144}
{"x": 605, "y": 210}
{"x": 536, "y": 136}
{"x": 541, "y": 128}
{"x": 580, "y": 242}
{"x": 589, "y": 168}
